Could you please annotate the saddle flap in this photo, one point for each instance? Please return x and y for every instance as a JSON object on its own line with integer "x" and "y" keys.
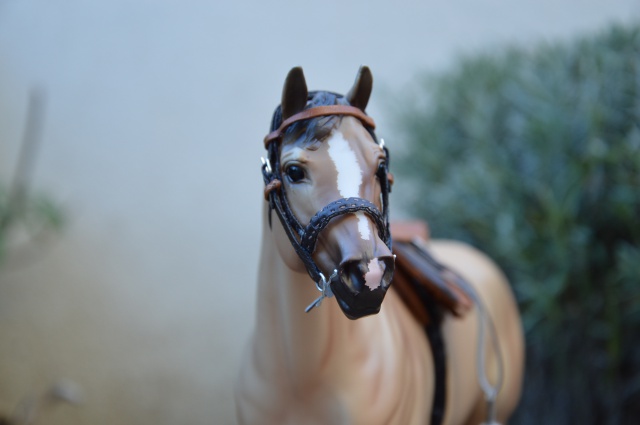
{"x": 426, "y": 286}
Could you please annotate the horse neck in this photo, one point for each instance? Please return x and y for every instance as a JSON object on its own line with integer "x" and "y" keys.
{"x": 300, "y": 345}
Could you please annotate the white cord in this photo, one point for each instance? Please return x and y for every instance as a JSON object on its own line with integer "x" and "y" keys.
{"x": 490, "y": 391}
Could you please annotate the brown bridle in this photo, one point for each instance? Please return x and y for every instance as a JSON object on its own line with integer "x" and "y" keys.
{"x": 303, "y": 238}
{"x": 319, "y": 111}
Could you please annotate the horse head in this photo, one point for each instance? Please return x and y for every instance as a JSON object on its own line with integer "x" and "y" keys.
{"x": 327, "y": 179}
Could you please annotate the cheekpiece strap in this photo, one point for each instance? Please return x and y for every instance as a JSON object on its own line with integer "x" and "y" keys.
{"x": 320, "y": 111}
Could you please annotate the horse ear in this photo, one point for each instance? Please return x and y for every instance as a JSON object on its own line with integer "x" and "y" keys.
{"x": 294, "y": 93}
{"x": 359, "y": 94}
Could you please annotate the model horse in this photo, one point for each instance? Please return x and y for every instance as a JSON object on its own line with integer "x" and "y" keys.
{"x": 418, "y": 358}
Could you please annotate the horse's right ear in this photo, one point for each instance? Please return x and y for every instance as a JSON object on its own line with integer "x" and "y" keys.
{"x": 359, "y": 94}
{"x": 294, "y": 93}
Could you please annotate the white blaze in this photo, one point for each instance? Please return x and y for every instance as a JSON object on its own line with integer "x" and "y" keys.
{"x": 373, "y": 277}
{"x": 349, "y": 175}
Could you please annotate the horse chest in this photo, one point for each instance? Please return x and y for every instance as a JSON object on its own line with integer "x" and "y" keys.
{"x": 388, "y": 380}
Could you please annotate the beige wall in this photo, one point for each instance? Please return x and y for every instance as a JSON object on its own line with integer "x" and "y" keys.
{"x": 152, "y": 141}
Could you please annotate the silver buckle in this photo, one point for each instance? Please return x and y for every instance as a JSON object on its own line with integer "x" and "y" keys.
{"x": 265, "y": 161}
{"x": 323, "y": 286}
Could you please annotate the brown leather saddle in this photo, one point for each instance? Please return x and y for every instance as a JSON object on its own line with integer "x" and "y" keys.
{"x": 421, "y": 281}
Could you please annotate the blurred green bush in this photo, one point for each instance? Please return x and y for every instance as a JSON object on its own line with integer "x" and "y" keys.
{"x": 25, "y": 220}
{"x": 25, "y": 217}
{"x": 533, "y": 155}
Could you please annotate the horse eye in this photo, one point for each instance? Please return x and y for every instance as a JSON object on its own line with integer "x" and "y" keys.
{"x": 295, "y": 173}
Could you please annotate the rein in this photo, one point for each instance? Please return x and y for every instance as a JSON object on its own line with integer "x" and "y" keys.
{"x": 303, "y": 238}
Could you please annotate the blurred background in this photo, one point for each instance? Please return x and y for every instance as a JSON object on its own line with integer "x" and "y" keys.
{"x": 127, "y": 277}
{"x": 533, "y": 155}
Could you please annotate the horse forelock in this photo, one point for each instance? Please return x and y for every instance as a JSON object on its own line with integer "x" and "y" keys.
{"x": 314, "y": 129}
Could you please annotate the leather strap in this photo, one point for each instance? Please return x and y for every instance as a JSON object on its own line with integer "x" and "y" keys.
{"x": 274, "y": 184}
{"x": 438, "y": 350}
{"x": 320, "y": 111}
{"x": 341, "y": 207}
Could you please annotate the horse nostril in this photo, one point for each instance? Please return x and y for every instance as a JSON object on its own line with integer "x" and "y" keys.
{"x": 352, "y": 274}
{"x": 360, "y": 274}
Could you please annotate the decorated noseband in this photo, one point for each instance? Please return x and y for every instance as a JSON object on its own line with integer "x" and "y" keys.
{"x": 303, "y": 238}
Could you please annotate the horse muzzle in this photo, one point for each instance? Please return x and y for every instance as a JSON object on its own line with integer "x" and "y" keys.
{"x": 361, "y": 285}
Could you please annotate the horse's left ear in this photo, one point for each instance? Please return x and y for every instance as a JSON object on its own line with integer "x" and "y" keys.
{"x": 359, "y": 94}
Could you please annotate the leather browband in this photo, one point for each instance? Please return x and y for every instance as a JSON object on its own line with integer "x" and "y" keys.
{"x": 320, "y": 111}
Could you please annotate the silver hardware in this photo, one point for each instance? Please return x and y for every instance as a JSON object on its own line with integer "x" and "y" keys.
{"x": 323, "y": 286}
{"x": 491, "y": 412}
{"x": 381, "y": 143}
{"x": 266, "y": 162}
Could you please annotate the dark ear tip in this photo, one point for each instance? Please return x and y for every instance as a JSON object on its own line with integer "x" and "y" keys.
{"x": 359, "y": 94}
{"x": 296, "y": 75}
{"x": 296, "y": 71}
{"x": 365, "y": 72}
{"x": 294, "y": 93}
